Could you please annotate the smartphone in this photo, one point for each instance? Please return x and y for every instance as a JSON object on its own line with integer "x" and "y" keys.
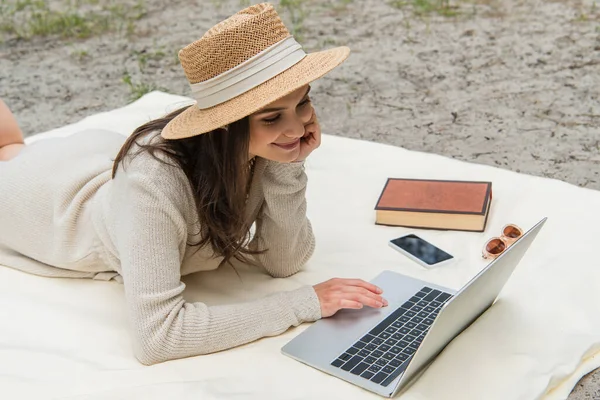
{"x": 421, "y": 251}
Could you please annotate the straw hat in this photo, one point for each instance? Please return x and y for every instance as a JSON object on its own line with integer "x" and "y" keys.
{"x": 242, "y": 64}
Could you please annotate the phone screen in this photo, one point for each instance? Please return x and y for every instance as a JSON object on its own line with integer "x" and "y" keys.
{"x": 421, "y": 249}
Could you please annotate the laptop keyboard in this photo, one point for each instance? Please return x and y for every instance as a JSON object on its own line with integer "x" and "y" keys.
{"x": 384, "y": 353}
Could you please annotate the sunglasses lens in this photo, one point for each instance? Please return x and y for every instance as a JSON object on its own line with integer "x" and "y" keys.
{"x": 512, "y": 231}
{"x": 495, "y": 246}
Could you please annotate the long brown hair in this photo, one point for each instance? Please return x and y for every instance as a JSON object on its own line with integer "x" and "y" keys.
{"x": 216, "y": 165}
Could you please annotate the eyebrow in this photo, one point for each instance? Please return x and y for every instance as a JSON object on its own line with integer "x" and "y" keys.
{"x": 268, "y": 110}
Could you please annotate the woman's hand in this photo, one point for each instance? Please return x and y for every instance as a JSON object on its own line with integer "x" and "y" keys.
{"x": 339, "y": 293}
{"x": 311, "y": 139}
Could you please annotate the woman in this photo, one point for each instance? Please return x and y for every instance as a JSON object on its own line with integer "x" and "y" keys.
{"x": 181, "y": 193}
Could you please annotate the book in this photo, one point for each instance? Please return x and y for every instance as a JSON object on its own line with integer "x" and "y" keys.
{"x": 434, "y": 204}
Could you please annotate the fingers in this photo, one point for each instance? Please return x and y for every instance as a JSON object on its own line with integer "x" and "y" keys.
{"x": 367, "y": 300}
{"x": 364, "y": 296}
{"x": 344, "y": 303}
{"x": 338, "y": 293}
{"x": 311, "y": 139}
{"x": 312, "y": 135}
{"x": 317, "y": 137}
{"x": 10, "y": 132}
{"x": 363, "y": 284}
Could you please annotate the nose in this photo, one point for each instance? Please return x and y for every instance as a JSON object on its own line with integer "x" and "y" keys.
{"x": 296, "y": 130}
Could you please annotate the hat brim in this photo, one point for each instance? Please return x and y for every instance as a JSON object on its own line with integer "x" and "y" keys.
{"x": 195, "y": 121}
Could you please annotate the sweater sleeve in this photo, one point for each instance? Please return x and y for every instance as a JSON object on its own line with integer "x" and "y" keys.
{"x": 282, "y": 227}
{"x": 150, "y": 238}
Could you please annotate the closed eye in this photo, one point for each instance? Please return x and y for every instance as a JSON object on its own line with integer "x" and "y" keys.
{"x": 271, "y": 120}
{"x": 275, "y": 118}
{"x": 305, "y": 102}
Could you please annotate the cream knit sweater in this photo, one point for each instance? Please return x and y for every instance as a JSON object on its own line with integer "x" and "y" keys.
{"x": 134, "y": 229}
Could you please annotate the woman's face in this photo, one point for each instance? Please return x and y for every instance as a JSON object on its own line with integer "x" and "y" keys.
{"x": 276, "y": 129}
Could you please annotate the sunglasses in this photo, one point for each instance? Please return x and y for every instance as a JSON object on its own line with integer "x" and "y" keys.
{"x": 497, "y": 245}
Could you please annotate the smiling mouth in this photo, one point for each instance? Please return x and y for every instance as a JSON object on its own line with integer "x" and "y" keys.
{"x": 288, "y": 146}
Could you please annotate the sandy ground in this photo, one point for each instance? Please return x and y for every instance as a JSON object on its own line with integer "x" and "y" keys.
{"x": 508, "y": 83}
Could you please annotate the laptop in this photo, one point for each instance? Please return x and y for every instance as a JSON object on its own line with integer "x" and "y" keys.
{"x": 384, "y": 350}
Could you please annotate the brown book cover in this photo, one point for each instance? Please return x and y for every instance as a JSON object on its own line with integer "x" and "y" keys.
{"x": 434, "y": 204}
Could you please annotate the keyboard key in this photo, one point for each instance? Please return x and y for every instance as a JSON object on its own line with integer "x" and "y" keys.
{"x": 374, "y": 368}
{"x": 370, "y": 359}
{"x": 379, "y": 377}
{"x": 389, "y": 369}
{"x": 352, "y": 350}
{"x": 389, "y": 356}
{"x": 359, "y": 368}
{"x": 367, "y": 375}
{"x": 364, "y": 353}
{"x": 395, "y": 362}
{"x": 432, "y": 295}
{"x": 422, "y": 327}
{"x": 413, "y": 345}
{"x": 360, "y": 345}
{"x": 423, "y": 314}
{"x": 377, "y": 341}
{"x": 398, "y": 324}
{"x": 391, "y": 342}
{"x": 416, "y": 332}
{"x": 370, "y": 347}
{"x": 426, "y": 289}
{"x": 420, "y": 295}
{"x": 423, "y": 303}
{"x": 406, "y": 306}
{"x": 409, "y": 338}
{"x": 402, "y": 357}
{"x": 417, "y": 320}
{"x": 410, "y": 314}
{"x": 384, "y": 347}
{"x": 408, "y": 351}
{"x": 403, "y": 344}
{"x": 384, "y": 335}
{"x": 352, "y": 363}
{"x": 428, "y": 321}
{"x": 367, "y": 338}
{"x": 381, "y": 362}
{"x": 404, "y": 330}
{"x": 429, "y": 309}
{"x": 410, "y": 325}
{"x": 391, "y": 330}
{"x": 377, "y": 353}
{"x": 443, "y": 297}
{"x": 345, "y": 356}
{"x": 395, "y": 350}
{"x": 404, "y": 318}
{"x": 337, "y": 363}
{"x": 387, "y": 321}
{"x": 397, "y": 336}
{"x": 435, "y": 304}
{"x": 416, "y": 308}
{"x": 414, "y": 299}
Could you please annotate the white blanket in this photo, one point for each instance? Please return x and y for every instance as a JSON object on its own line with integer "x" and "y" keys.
{"x": 64, "y": 338}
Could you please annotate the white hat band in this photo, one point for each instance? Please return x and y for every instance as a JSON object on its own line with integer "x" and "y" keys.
{"x": 249, "y": 74}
